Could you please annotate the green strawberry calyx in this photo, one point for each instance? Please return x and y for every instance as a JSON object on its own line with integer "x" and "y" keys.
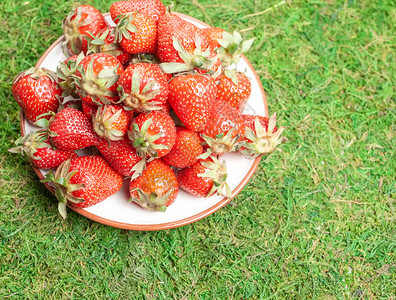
{"x": 62, "y": 186}
{"x": 125, "y": 27}
{"x": 138, "y": 168}
{"x": 261, "y": 141}
{"x": 28, "y": 144}
{"x": 143, "y": 142}
{"x": 65, "y": 72}
{"x": 44, "y": 123}
{"x": 199, "y": 59}
{"x": 218, "y": 173}
{"x": 140, "y": 98}
{"x": 232, "y": 48}
{"x": 36, "y": 73}
{"x": 151, "y": 201}
{"x": 97, "y": 44}
{"x": 102, "y": 124}
{"x": 232, "y": 74}
{"x": 221, "y": 143}
{"x": 72, "y": 35}
{"x": 97, "y": 86}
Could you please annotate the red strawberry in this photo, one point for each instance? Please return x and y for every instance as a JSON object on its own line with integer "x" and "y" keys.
{"x": 215, "y": 34}
{"x": 186, "y": 150}
{"x": 234, "y": 88}
{"x": 191, "y": 97}
{"x": 76, "y": 26}
{"x": 122, "y": 157}
{"x": 104, "y": 42}
{"x": 96, "y": 78}
{"x": 89, "y": 109}
{"x": 37, "y": 93}
{"x": 154, "y": 8}
{"x": 70, "y": 129}
{"x": 225, "y": 128}
{"x": 84, "y": 181}
{"x": 156, "y": 188}
{"x": 143, "y": 87}
{"x": 184, "y": 45}
{"x": 38, "y": 150}
{"x": 111, "y": 122}
{"x": 261, "y": 135}
{"x": 168, "y": 76}
{"x": 153, "y": 134}
{"x": 136, "y": 33}
{"x": 205, "y": 178}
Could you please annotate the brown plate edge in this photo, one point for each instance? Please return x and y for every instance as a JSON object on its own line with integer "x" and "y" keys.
{"x": 169, "y": 225}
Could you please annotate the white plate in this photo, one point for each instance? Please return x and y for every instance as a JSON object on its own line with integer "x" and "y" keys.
{"x": 118, "y": 212}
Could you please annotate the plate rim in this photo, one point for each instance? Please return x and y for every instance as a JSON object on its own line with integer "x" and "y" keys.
{"x": 167, "y": 225}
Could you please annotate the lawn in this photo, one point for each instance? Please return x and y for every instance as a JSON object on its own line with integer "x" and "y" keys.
{"x": 317, "y": 220}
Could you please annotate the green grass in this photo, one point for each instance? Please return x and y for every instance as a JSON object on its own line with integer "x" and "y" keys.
{"x": 317, "y": 221}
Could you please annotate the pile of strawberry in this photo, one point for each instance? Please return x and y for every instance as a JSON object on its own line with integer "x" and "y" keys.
{"x": 157, "y": 99}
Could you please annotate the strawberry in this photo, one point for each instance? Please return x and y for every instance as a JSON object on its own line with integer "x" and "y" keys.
{"x": 235, "y": 88}
{"x": 111, "y": 122}
{"x": 37, "y": 93}
{"x": 122, "y": 157}
{"x": 182, "y": 46}
{"x": 261, "y": 135}
{"x": 70, "y": 129}
{"x": 38, "y": 150}
{"x": 104, "y": 42}
{"x": 191, "y": 97}
{"x": 76, "y": 26}
{"x": 154, "y": 8}
{"x": 205, "y": 178}
{"x": 186, "y": 150}
{"x": 225, "y": 128}
{"x": 136, "y": 33}
{"x": 143, "y": 87}
{"x": 153, "y": 134}
{"x": 156, "y": 188}
{"x": 215, "y": 34}
{"x": 89, "y": 110}
{"x": 96, "y": 78}
{"x": 84, "y": 181}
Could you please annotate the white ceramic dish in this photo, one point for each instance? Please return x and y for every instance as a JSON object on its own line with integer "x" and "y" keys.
{"x": 116, "y": 211}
